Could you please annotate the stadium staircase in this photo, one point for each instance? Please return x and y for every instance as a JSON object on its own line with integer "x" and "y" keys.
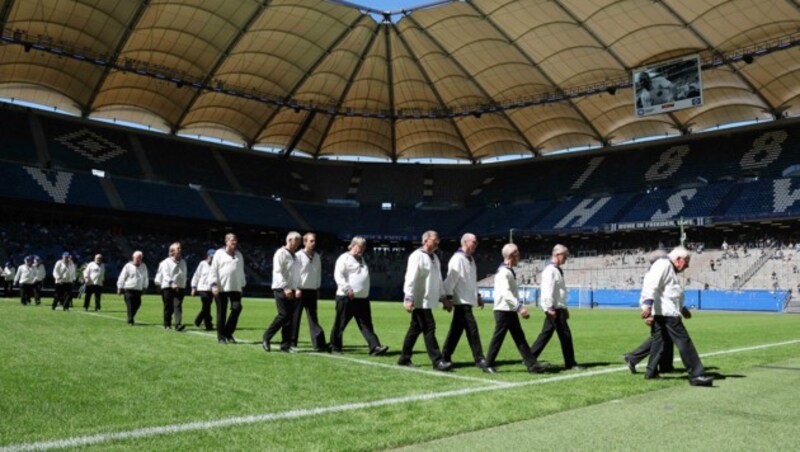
{"x": 756, "y": 266}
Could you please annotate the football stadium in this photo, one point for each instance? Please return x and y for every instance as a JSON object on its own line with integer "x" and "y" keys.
{"x": 312, "y": 224}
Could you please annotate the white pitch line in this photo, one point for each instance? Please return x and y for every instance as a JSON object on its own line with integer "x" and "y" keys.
{"x": 412, "y": 369}
{"x": 294, "y": 414}
{"x": 435, "y": 373}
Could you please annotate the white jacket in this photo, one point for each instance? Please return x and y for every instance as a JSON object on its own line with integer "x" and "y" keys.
{"x": 462, "y": 279}
{"x": 423, "y": 282}
{"x": 25, "y": 275}
{"x": 94, "y": 274}
{"x": 310, "y": 270}
{"x": 661, "y": 284}
{"x": 9, "y": 273}
{"x": 553, "y": 290}
{"x": 506, "y": 290}
{"x": 41, "y": 273}
{"x": 170, "y": 272}
{"x": 133, "y": 278}
{"x": 350, "y": 274}
{"x": 64, "y": 273}
{"x": 285, "y": 270}
{"x": 227, "y": 272}
{"x": 200, "y": 277}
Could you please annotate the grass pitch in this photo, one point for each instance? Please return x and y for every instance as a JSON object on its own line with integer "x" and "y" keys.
{"x": 75, "y": 379}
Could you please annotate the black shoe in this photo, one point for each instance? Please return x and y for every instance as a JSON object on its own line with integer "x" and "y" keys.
{"x": 481, "y": 363}
{"x": 379, "y": 350}
{"x": 209, "y": 328}
{"x": 630, "y": 363}
{"x": 702, "y": 380}
{"x": 538, "y": 368}
{"x": 336, "y": 351}
{"x": 222, "y": 341}
{"x": 405, "y": 362}
{"x": 323, "y": 349}
{"x": 290, "y": 350}
{"x": 197, "y": 323}
{"x": 443, "y": 366}
{"x": 576, "y": 367}
{"x": 167, "y": 327}
{"x": 130, "y": 322}
{"x": 96, "y": 309}
{"x": 265, "y": 345}
{"x": 666, "y": 370}
{"x": 231, "y": 340}
{"x": 489, "y": 370}
{"x": 652, "y": 376}
{"x": 180, "y": 327}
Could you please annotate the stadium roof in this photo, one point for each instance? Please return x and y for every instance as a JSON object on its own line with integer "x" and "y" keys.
{"x": 470, "y": 80}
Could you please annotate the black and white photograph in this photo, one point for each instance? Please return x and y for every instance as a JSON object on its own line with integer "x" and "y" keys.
{"x": 668, "y": 86}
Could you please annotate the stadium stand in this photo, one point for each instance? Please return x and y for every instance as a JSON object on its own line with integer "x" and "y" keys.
{"x": 17, "y": 143}
{"x": 161, "y": 199}
{"x": 254, "y": 210}
{"x": 184, "y": 164}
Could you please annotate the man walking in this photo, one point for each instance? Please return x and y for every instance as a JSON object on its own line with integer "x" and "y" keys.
{"x": 25, "y": 278}
{"x": 285, "y": 275}
{"x": 201, "y": 287}
{"x": 93, "y": 276}
{"x": 424, "y": 289}
{"x": 227, "y": 280}
{"x": 64, "y": 276}
{"x": 41, "y": 274}
{"x": 461, "y": 287}
{"x": 171, "y": 277}
{"x": 310, "y": 278}
{"x": 133, "y": 281}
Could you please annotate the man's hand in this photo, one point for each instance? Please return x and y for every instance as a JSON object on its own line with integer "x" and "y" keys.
{"x": 215, "y": 290}
{"x": 194, "y": 291}
{"x": 298, "y": 294}
{"x": 408, "y": 305}
{"x": 552, "y": 314}
{"x": 649, "y": 321}
{"x": 119, "y": 291}
{"x": 524, "y": 313}
{"x": 448, "y": 304}
{"x": 646, "y": 312}
{"x": 687, "y": 314}
{"x": 350, "y": 294}
{"x": 288, "y": 293}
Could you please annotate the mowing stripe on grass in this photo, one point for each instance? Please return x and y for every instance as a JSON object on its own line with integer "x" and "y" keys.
{"x": 294, "y": 414}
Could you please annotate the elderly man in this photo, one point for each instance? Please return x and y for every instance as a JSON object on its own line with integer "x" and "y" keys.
{"x": 171, "y": 277}
{"x": 461, "y": 287}
{"x": 133, "y": 281}
{"x": 25, "y": 278}
{"x": 424, "y": 289}
{"x": 662, "y": 299}
{"x": 94, "y": 275}
{"x": 64, "y": 276}
{"x": 41, "y": 274}
{"x": 285, "y": 287}
{"x": 310, "y": 278}
{"x": 351, "y": 274}
{"x": 227, "y": 280}
{"x": 553, "y": 296}
{"x": 201, "y": 286}
{"x": 9, "y": 272}
{"x": 507, "y": 310}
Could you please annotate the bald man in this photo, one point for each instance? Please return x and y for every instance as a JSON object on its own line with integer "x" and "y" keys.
{"x": 133, "y": 281}
{"x": 171, "y": 277}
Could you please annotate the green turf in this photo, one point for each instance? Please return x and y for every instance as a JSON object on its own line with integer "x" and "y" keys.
{"x": 71, "y": 374}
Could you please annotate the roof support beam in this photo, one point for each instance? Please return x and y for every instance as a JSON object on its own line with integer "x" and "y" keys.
{"x": 298, "y": 135}
{"x": 220, "y": 60}
{"x": 531, "y": 148}
{"x": 776, "y": 113}
{"x": 5, "y": 11}
{"x": 390, "y": 80}
{"x": 123, "y": 40}
{"x": 302, "y": 80}
{"x": 347, "y": 87}
{"x": 467, "y": 151}
{"x": 533, "y": 63}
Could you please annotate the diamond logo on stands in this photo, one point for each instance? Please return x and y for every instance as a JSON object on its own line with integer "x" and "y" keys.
{"x": 91, "y": 145}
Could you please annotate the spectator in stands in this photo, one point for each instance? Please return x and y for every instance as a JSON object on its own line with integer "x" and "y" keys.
{"x": 461, "y": 288}
{"x": 25, "y": 278}
{"x": 133, "y": 281}
{"x": 227, "y": 280}
{"x": 285, "y": 287}
{"x": 309, "y": 266}
{"x": 351, "y": 274}
{"x": 507, "y": 307}
{"x": 201, "y": 286}
{"x": 424, "y": 290}
{"x": 662, "y": 299}
{"x": 553, "y": 296}
{"x": 171, "y": 278}
{"x": 8, "y": 279}
{"x": 41, "y": 274}
{"x": 64, "y": 276}
{"x": 93, "y": 276}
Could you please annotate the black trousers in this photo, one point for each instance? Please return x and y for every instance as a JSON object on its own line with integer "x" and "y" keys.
{"x": 346, "y": 310}
{"x": 505, "y": 322}
{"x": 643, "y": 351}
{"x": 204, "y": 316}
{"x": 308, "y": 302}
{"x": 37, "y": 292}
{"x": 672, "y": 327}
{"x": 97, "y": 291}
{"x": 463, "y": 320}
{"x": 560, "y": 326}
{"x": 225, "y": 329}
{"x": 25, "y": 293}
{"x": 173, "y": 304}
{"x": 133, "y": 301}
{"x": 422, "y": 322}
{"x": 8, "y": 287}
{"x": 283, "y": 321}
{"x": 63, "y": 295}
